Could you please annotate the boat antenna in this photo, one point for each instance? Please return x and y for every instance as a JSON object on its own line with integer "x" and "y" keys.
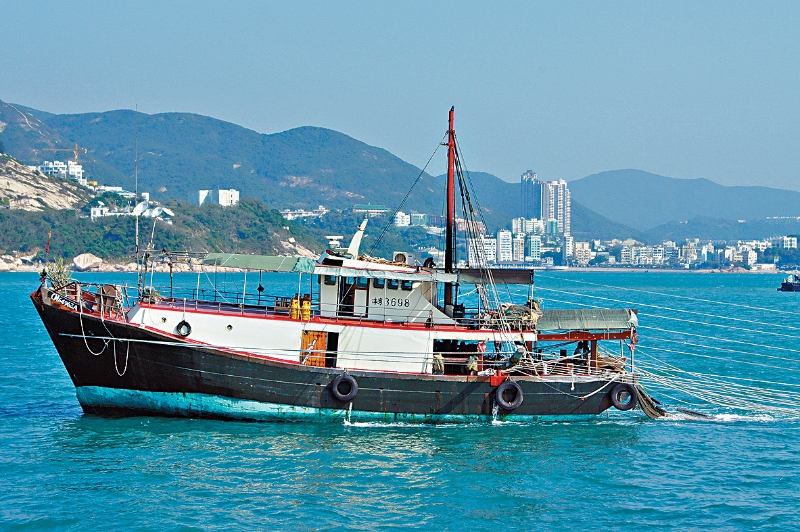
{"x": 450, "y": 233}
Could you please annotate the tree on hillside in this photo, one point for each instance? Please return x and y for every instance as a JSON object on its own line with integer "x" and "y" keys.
{"x": 2, "y": 148}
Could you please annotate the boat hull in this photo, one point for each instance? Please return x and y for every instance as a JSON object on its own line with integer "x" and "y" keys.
{"x": 123, "y": 369}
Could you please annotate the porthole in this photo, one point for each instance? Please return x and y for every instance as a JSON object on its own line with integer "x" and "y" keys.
{"x": 163, "y": 320}
{"x": 229, "y": 327}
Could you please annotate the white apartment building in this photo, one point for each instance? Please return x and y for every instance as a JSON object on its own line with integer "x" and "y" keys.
{"x": 489, "y": 249}
{"x": 99, "y": 211}
{"x": 75, "y": 171}
{"x": 527, "y": 225}
{"x": 402, "y": 219}
{"x": 505, "y": 246}
{"x": 224, "y": 197}
{"x": 63, "y": 170}
{"x": 785, "y": 242}
{"x": 227, "y": 198}
{"x": 54, "y": 168}
{"x": 557, "y": 204}
{"x": 293, "y": 214}
{"x": 476, "y": 244}
{"x": 518, "y": 247}
{"x": 582, "y": 253}
{"x": 569, "y": 247}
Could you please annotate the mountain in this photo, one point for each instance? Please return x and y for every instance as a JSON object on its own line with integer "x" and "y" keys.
{"x": 644, "y": 201}
{"x": 180, "y": 153}
{"x": 720, "y": 229}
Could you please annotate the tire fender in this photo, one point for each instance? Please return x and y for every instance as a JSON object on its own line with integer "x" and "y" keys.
{"x": 346, "y": 382}
{"x": 502, "y": 389}
{"x": 183, "y": 329}
{"x": 617, "y": 391}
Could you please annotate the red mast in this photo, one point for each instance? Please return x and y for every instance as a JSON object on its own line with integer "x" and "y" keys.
{"x": 450, "y": 235}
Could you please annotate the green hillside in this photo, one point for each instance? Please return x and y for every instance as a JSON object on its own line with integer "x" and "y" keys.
{"x": 181, "y": 153}
{"x": 250, "y": 227}
{"x": 303, "y": 167}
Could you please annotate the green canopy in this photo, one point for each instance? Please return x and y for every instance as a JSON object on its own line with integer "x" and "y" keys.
{"x": 267, "y": 263}
{"x": 586, "y": 319}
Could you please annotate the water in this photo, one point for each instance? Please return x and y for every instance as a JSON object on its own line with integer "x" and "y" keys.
{"x": 64, "y": 470}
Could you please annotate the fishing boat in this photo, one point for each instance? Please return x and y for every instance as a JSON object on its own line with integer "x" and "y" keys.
{"x": 362, "y": 339}
{"x": 790, "y": 284}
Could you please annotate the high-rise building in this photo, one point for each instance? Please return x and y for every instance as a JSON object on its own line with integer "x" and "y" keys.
{"x": 489, "y": 244}
{"x": 531, "y": 195}
{"x": 546, "y": 200}
{"x": 519, "y": 247}
{"x": 557, "y": 204}
{"x": 505, "y": 250}
{"x": 534, "y": 248}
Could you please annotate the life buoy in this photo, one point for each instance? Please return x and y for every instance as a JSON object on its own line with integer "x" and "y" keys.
{"x": 616, "y": 395}
{"x": 500, "y": 392}
{"x": 183, "y": 328}
{"x": 344, "y": 387}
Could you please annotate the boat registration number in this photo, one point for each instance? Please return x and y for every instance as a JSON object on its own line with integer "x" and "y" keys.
{"x": 391, "y": 302}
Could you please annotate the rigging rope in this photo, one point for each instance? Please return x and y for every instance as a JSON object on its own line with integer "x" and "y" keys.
{"x": 725, "y": 303}
{"x": 414, "y": 184}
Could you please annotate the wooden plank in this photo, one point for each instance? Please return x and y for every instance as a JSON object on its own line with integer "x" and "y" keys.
{"x": 313, "y": 345}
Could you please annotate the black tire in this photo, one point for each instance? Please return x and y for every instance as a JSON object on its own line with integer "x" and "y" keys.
{"x": 350, "y": 388}
{"x": 616, "y": 396}
{"x": 183, "y": 329}
{"x": 501, "y": 390}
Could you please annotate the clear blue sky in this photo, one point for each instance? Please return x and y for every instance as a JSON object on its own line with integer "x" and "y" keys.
{"x": 684, "y": 89}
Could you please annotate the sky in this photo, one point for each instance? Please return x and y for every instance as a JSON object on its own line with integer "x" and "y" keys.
{"x": 567, "y": 89}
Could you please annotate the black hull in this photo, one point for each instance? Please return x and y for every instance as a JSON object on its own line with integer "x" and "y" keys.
{"x": 789, "y": 287}
{"x": 150, "y": 373}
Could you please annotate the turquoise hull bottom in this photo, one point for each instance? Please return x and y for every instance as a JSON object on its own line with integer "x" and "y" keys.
{"x": 115, "y": 401}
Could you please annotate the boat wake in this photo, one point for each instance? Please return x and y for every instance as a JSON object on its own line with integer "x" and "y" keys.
{"x": 727, "y": 417}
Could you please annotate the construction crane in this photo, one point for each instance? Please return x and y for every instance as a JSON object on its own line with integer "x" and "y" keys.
{"x": 76, "y": 150}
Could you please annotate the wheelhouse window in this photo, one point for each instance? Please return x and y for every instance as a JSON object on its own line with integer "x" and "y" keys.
{"x": 362, "y": 283}
{"x": 406, "y": 285}
{"x": 392, "y": 284}
{"x": 329, "y": 280}
{"x": 378, "y": 283}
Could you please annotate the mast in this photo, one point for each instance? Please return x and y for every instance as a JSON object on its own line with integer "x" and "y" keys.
{"x": 450, "y": 235}
{"x": 136, "y": 202}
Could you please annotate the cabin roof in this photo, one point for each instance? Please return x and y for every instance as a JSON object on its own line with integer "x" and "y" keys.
{"x": 586, "y": 319}
{"x": 405, "y": 275}
{"x": 267, "y": 263}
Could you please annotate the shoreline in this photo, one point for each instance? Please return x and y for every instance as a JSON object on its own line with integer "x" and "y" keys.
{"x": 200, "y": 268}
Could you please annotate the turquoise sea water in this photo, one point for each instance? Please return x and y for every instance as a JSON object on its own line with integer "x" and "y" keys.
{"x": 736, "y": 470}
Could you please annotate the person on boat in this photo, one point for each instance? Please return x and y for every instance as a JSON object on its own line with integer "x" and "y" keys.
{"x": 438, "y": 364}
{"x": 472, "y": 365}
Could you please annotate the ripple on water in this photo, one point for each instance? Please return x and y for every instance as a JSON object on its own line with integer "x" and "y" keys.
{"x": 64, "y": 470}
